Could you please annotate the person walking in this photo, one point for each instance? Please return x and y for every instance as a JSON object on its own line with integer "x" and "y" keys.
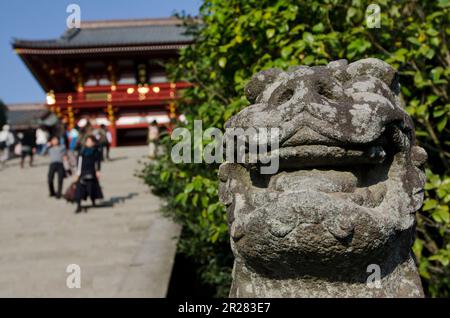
{"x": 41, "y": 141}
{"x": 153, "y": 137}
{"x": 6, "y": 141}
{"x": 102, "y": 137}
{"x": 88, "y": 173}
{"x": 85, "y": 131}
{"x": 107, "y": 142}
{"x": 57, "y": 154}
{"x": 63, "y": 135}
{"x": 28, "y": 143}
{"x": 73, "y": 135}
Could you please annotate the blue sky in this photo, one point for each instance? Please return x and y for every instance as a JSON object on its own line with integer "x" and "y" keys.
{"x": 46, "y": 19}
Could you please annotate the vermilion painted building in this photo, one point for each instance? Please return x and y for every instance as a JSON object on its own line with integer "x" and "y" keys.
{"x": 110, "y": 72}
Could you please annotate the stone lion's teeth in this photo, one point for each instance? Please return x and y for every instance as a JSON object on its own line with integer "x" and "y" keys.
{"x": 377, "y": 152}
{"x": 370, "y": 196}
{"x": 315, "y": 179}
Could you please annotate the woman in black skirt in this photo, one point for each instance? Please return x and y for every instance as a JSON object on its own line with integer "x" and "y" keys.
{"x": 88, "y": 173}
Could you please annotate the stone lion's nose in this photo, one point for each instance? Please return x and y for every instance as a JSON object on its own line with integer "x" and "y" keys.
{"x": 283, "y": 223}
{"x": 340, "y": 227}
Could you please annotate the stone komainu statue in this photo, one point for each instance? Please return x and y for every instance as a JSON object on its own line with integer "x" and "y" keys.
{"x": 346, "y": 192}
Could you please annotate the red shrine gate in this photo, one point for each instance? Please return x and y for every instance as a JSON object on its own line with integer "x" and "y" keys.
{"x": 124, "y": 111}
{"x": 111, "y": 73}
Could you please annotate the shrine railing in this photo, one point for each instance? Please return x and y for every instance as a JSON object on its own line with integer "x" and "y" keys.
{"x": 120, "y": 95}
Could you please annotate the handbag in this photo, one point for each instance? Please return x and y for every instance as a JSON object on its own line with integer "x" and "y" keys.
{"x": 18, "y": 149}
{"x": 70, "y": 193}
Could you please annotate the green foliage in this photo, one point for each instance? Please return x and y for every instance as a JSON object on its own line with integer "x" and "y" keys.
{"x": 192, "y": 200}
{"x": 241, "y": 37}
{"x": 2, "y": 114}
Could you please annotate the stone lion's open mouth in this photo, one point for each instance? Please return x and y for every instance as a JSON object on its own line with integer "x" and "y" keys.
{"x": 354, "y": 172}
{"x": 331, "y": 179}
{"x": 356, "y": 175}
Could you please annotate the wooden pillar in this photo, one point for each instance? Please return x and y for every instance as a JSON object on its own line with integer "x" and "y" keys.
{"x": 113, "y": 130}
{"x": 112, "y": 121}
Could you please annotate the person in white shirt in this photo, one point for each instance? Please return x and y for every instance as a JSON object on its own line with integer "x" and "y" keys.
{"x": 108, "y": 145}
{"x": 41, "y": 140}
{"x": 153, "y": 138}
{"x": 6, "y": 141}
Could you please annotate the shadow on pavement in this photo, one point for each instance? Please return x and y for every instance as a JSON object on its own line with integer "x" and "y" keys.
{"x": 117, "y": 158}
{"x": 112, "y": 201}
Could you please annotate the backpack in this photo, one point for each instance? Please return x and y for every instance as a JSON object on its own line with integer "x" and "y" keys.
{"x": 102, "y": 138}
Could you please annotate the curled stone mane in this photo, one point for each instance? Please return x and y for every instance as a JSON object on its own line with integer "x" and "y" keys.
{"x": 344, "y": 197}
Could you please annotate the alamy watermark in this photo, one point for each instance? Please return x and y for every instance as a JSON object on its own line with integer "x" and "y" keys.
{"x": 248, "y": 146}
{"x": 373, "y": 16}
{"x": 73, "y": 21}
{"x": 374, "y": 279}
{"x": 73, "y": 280}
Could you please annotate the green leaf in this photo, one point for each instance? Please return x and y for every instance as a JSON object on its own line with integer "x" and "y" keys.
{"x": 286, "y": 51}
{"x": 441, "y": 214}
{"x": 195, "y": 199}
{"x": 270, "y": 33}
{"x": 442, "y": 123}
{"x": 308, "y": 37}
{"x": 189, "y": 188}
{"x": 215, "y": 236}
{"x": 438, "y": 112}
{"x": 351, "y": 12}
{"x": 417, "y": 248}
{"x": 413, "y": 40}
{"x": 443, "y": 3}
{"x": 437, "y": 72}
{"x": 426, "y": 51}
{"x": 205, "y": 201}
{"x": 308, "y": 60}
{"x": 318, "y": 28}
{"x": 164, "y": 176}
{"x": 419, "y": 80}
{"x": 432, "y": 32}
{"x": 357, "y": 46}
{"x": 400, "y": 54}
{"x": 429, "y": 204}
{"x": 222, "y": 62}
{"x": 440, "y": 258}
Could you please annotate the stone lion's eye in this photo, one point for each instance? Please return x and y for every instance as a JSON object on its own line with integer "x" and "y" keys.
{"x": 285, "y": 96}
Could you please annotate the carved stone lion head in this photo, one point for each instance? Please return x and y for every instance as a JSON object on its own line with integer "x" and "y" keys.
{"x": 350, "y": 178}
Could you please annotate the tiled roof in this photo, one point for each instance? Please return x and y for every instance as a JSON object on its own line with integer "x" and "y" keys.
{"x": 25, "y": 115}
{"x": 115, "y": 33}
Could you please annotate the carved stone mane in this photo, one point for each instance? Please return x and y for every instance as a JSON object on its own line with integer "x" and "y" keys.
{"x": 345, "y": 195}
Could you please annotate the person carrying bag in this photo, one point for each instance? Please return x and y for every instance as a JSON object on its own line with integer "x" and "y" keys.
{"x": 88, "y": 173}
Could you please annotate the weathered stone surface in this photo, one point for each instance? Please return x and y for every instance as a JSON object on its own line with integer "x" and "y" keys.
{"x": 346, "y": 193}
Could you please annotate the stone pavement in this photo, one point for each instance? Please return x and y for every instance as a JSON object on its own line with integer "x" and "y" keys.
{"x": 125, "y": 249}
